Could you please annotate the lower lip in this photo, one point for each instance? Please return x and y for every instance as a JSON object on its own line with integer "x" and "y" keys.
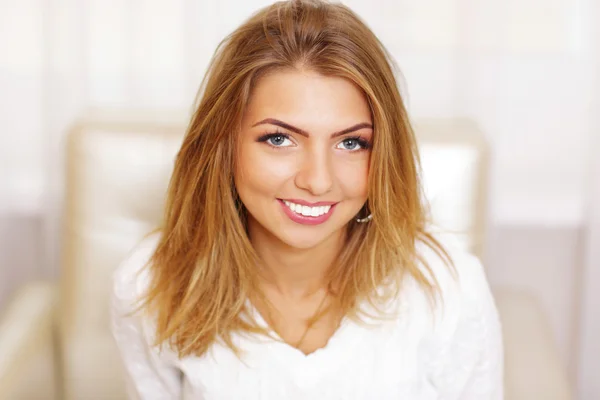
{"x": 302, "y": 219}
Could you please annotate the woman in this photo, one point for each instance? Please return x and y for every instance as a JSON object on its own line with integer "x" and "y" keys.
{"x": 294, "y": 260}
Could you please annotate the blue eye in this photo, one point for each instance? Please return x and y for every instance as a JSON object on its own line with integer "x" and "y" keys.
{"x": 350, "y": 144}
{"x": 353, "y": 144}
{"x": 276, "y": 139}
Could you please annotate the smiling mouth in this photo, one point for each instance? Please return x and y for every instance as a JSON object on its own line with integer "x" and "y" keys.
{"x": 320, "y": 209}
{"x": 307, "y": 211}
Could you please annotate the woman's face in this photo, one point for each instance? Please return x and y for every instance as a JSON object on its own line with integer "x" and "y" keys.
{"x": 303, "y": 157}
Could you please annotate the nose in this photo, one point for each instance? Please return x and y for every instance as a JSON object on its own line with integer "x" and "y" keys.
{"x": 315, "y": 173}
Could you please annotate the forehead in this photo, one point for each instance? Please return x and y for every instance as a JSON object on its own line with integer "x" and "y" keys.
{"x": 309, "y": 98}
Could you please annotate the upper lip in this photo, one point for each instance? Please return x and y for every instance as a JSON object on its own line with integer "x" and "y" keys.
{"x": 308, "y": 203}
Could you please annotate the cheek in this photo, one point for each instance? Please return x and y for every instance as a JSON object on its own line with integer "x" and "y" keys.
{"x": 262, "y": 173}
{"x": 353, "y": 178}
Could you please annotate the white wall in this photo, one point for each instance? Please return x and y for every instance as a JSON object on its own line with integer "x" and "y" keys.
{"x": 21, "y": 83}
{"x": 589, "y": 328}
{"x": 521, "y": 68}
{"x": 520, "y": 72}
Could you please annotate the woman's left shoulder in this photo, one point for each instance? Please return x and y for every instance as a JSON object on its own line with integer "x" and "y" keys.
{"x": 464, "y": 309}
{"x": 462, "y": 279}
{"x": 461, "y": 302}
{"x": 464, "y": 349}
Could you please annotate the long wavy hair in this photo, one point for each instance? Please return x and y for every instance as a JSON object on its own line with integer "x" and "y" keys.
{"x": 203, "y": 270}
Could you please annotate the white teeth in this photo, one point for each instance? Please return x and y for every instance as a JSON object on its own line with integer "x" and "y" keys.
{"x": 306, "y": 210}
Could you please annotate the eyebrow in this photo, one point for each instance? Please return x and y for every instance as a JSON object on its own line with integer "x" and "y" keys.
{"x": 299, "y": 131}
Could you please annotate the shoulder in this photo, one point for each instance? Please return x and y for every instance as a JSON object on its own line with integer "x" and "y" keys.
{"x": 462, "y": 345}
{"x": 131, "y": 278}
{"x": 463, "y": 303}
{"x": 151, "y": 371}
{"x": 464, "y": 319}
{"x": 130, "y": 282}
{"x": 463, "y": 281}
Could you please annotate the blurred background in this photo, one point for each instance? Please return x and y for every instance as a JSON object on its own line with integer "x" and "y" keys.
{"x": 525, "y": 70}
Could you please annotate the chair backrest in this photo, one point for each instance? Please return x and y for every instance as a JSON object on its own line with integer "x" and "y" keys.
{"x": 117, "y": 176}
{"x": 455, "y": 159}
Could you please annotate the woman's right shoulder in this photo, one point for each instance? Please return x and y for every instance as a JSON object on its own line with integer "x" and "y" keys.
{"x": 131, "y": 277}
{"x": 134, "y": 332}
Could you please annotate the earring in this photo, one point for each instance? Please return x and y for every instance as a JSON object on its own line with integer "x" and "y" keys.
{"x": 364, "y": 220}
{"x": 367, "y": 218}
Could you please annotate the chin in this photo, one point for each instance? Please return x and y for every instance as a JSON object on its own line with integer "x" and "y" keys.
{"x": 305, "y": 243}
{"x": 304, "y": 239}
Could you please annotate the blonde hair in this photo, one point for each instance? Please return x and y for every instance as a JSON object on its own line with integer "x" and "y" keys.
{"x": 202, "y": 271}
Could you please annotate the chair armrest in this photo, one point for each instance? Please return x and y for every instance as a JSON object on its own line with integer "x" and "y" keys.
{"x": 533, "y": 369}
{"x": 25, "y": 326}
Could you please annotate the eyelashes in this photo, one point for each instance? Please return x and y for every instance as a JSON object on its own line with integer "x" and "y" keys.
{"x": 274, "y": 135}
{"x": 281, "y": 137}
{"x": 363, "y": 143}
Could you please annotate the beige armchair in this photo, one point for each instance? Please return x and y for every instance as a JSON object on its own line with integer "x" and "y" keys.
{"x": 54, "y": 338}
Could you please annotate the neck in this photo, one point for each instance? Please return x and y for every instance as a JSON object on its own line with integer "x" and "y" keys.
{"x": 295, "y": 273}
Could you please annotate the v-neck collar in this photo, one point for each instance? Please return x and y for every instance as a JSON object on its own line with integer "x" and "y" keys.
{"x": 308, "y": 369}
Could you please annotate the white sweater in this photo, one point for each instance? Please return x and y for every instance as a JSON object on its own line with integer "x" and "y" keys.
{"x": 452, "y": 351}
